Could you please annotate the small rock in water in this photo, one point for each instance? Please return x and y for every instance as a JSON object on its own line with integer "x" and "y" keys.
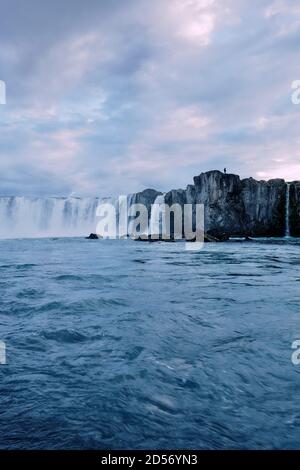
{"x": 92, "y": 236}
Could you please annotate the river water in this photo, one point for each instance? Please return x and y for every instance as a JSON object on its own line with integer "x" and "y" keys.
{"x": 123, "y": 344}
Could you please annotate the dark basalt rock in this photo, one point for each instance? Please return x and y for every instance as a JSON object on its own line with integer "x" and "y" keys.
{"x": 146, "y": 197}
{"x": 92, "y": 236}
{"x": 236, "y": 207}
{"x": 264, "y": 207}
{"x": 295, "y": 209}
{"x": 223, "y": 207}
{"x": 216, "y": 235}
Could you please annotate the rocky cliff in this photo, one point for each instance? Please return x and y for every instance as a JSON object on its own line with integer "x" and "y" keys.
{"x": 238, "y": 207}
{"x": 295, "y": 209}
{"x": 146, "y": 197}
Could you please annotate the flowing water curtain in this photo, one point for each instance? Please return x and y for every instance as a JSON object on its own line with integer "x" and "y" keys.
{"x": 287, "y": 211}
{"x": 47, "y": 217}
{"x": 157, "y": 217}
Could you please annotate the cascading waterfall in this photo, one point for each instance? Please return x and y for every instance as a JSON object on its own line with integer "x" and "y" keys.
{"x": 157, "y": 216}
{"x": 22, "y": 217}
{"x": 131, "y": 200}
{"x": 287, "y": 211}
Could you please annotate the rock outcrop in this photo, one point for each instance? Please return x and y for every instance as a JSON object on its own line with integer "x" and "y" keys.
{"x": 264, "y": 207}
{"x": 93, "y": 236}
{"x": 223, "y": 205}
{"x": 294, "y": 219}
{"x": 241, "y": 207}
{"x": 146, "y": 197}
{"x": 235, "y": 207}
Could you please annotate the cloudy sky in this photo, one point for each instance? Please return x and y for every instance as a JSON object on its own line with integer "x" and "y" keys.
{"x": 112, "y": 96}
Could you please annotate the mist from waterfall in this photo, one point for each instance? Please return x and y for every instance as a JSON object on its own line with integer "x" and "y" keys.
{"x": 22, "y": 217}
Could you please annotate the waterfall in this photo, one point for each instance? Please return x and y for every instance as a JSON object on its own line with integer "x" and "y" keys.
{"x": 287, "y": 211}
{"x": 22, "y": 217}
{"x": 131, "y": 200}
{"x": 157, "y": 216}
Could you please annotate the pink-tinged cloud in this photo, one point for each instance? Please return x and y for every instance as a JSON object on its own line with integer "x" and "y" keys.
{"x": 124, "y": 95}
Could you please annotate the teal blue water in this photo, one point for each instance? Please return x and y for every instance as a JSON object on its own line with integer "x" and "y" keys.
{"x": 122, "y": 344}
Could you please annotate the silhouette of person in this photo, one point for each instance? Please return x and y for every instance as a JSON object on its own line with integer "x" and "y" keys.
{"x": 225, "y": 170}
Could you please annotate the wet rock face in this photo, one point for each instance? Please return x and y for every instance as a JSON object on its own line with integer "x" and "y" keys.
{"x": 264, "y": 207}
{"x": 295, "y": 209}
{"x": 223, "y": 206}
{"x": 241, "y": 207}
{"x": 176, "y": 196}
{"x": 146, "y": 197}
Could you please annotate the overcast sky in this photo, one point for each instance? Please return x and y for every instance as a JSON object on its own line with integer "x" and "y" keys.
{"x": 112, "y": 96}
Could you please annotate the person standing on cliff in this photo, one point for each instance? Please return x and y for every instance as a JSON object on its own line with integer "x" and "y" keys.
{"x": 225, "y": 171}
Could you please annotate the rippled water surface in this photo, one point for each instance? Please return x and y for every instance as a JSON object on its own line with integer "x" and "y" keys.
{"x": 122, "y": 344}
